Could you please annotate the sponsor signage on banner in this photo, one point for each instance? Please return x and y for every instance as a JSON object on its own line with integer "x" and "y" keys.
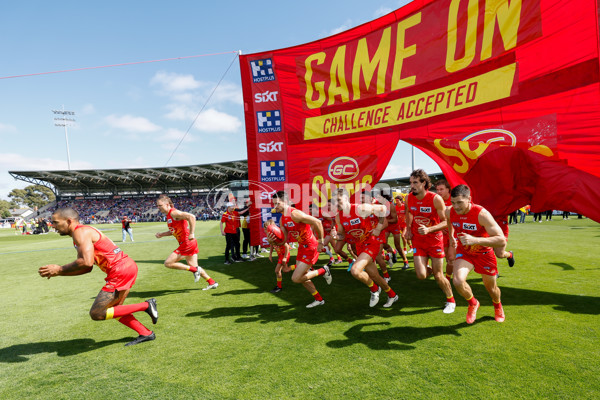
{"x": 496, "y": 92}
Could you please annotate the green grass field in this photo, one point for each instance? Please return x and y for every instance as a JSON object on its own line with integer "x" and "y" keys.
{"x": 241, "y": 342}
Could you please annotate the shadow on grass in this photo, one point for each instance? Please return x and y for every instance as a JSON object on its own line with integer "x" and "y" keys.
{"x": 157, "y": 293}
{"x": 397, "y": 338}
{"x": 238, "y": 292}
{"x": 564, "y": 266}
{"x": 159, "y": 262}
{"x": 19, "y": 352}
{"x": 333, "y": 311}
{"x": 347, "y": 300}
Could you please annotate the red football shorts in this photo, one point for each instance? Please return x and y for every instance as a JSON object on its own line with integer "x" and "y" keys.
{"x": 121, "y": 276}
{"x": 187, "y": 248}
{"x": 394, "y": 229}
{"x": 371, "y": 246}
{"x": 446, "y": 239}
{"x": 485, "y": 264}
{"x": 308, "y": 254}
{"x": 433, "y": 252}
{"x": 504, "y": 228}
{"x": 281, "y": 259}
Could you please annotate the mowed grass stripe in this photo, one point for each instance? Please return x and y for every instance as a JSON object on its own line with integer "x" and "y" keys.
{"x": 241, "y": 342}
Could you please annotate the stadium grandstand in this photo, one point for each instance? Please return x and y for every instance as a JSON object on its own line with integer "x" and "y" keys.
{"x": 103, "y": 196}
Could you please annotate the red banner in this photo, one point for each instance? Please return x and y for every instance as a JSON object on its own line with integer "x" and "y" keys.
{"x": 503, "y": 95}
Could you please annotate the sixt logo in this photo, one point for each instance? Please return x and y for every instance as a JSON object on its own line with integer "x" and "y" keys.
{"x": 343, "y": 169}
{"x": 265, "y": 97}
{"x": 355, "y": 221}
{"x": 425, "y": 210}
{"x": 469, "y": 227}
{"x": 289, "y": 224}
{"x": 262, "y": 70}
{"x": 270, "y": 147}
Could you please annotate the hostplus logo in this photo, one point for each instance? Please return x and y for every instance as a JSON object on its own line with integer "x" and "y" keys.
{"x": 268, "y": 121}
{"x": 262, "y": 70}
{"x": 272, "y": 171}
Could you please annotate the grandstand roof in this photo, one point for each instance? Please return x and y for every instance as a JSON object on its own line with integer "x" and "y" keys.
{"x": 137, "y": 180}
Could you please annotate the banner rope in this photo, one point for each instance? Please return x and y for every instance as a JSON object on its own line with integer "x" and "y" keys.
{"x": 237, "y": 53}
{"x": 116, "y": 65}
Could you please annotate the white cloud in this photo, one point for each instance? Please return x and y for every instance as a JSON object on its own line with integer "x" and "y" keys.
{"x": 172, "y": 82}
{"x": 212, "y": 120}
{"x": 175, "y": 135}
{"x": 88, "y": 109}
{"x": 381, "y": 11}
{"x": 7, "y": 128}
{"x": 18, "y": 162}
{"x": 344, "y": 27}
{"x": 130, "y": 123}
{"x": 180, "y": 112}
{"x": 228, "y": 92}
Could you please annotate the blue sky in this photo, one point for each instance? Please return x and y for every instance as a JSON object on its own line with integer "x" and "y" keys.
{"x": 134, "y": 116}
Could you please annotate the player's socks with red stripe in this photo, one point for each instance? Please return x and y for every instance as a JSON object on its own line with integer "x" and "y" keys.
{"x": 386, "y": 274}
{"x": 472, "y": 311}
{"x": 373, "y": 287}
{"x": 321, "y": 271}
{"x": 339, "y": 258}
{"x": 394, "y": 251}
{"x": 130, "y": 322}
{"x": 119, "y": 311}
{"x": 498, "y": 311}
{"x": 390, "y": 292}
{"x": 317, "y": 296}
{"x": 449, "y": 277}
{"x": 279, "y": 282}
{"x": 210, "y": 281}
{"x": 451, "y": 299}
{"x": 192, "y": 269}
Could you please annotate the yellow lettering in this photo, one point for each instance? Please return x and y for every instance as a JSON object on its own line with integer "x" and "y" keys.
{"x": 452, "y": 64}
{"x": 473, "y": 154}
{"x": 363, "y": 64}
{"x": 337, "y": 77}
{"x": 460, "y": 168}
{"x": 509, "y": 18}
{"x": 320, "y": 86}
{"x": 404, "y": 52}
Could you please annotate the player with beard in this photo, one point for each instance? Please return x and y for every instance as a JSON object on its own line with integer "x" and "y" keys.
{"x": 425, "y": 218}
{"x": 473, "y": 234}
{"x": 93, "y": 247}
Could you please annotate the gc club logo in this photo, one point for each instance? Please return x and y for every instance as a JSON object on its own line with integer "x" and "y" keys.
{"x": 343, "y": 169}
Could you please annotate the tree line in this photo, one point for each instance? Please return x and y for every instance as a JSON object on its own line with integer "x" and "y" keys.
{"x": 31, "y": 196}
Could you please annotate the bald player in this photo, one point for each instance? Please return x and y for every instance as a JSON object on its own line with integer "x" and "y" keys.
{"x": 93, "y": 247}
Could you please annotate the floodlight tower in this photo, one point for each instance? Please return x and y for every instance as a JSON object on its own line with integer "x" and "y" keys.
{"x": 62, "y": 120}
